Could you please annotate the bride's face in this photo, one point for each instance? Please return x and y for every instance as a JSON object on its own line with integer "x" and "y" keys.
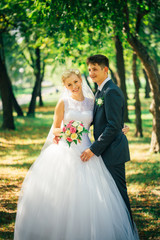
{"x": 73, "y": 84}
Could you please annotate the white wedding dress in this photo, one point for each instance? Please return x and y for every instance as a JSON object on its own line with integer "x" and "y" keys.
{"x": 64, "y": 198}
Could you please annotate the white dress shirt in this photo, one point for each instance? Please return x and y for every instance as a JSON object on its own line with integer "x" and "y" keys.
{"x": 103, "y": 83}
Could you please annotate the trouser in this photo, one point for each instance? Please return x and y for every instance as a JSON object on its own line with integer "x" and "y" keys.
{"x": 118, "y": 174}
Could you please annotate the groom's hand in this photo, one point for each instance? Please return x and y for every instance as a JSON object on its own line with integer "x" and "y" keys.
{"x": 86, "y": 155}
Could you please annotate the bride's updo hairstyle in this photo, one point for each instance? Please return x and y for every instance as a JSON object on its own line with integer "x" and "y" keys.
{"x": 70, "y": 72}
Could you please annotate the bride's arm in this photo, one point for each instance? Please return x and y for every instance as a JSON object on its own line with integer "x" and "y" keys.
{"x": 58, "y": 117}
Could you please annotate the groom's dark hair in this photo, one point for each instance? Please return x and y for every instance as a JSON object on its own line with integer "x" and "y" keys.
{"x": 101, "y": 60}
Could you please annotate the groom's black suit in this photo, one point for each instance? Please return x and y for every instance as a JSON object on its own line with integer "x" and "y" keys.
{"x": 110, "y": 142}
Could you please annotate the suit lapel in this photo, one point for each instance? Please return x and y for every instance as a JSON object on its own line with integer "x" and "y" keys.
{"x": 99, "y": 96}
{"x": 95, "y": 105}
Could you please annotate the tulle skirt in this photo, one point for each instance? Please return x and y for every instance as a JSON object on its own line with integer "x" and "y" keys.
{"x": 63, "y": 198}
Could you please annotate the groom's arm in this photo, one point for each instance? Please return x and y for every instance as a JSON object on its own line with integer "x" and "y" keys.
{"x": 113, "y": 104}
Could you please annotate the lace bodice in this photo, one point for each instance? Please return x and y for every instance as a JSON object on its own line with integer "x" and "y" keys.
{"x": 79, "y": 110}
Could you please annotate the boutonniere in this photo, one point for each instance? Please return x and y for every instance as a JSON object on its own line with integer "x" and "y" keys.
{"x": 99, "y": 101}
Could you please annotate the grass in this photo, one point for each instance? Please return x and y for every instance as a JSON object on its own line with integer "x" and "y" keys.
{"x": 20, "y": 148}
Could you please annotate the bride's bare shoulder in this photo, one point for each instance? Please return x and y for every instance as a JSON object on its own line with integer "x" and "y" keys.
{"x": 60, "y": 105}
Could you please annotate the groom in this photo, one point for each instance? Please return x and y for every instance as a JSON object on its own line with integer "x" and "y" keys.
{"x": 108, "y": 122}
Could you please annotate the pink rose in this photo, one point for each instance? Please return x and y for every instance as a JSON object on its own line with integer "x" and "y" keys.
{"x": 69, "y": 139}
{"x": 81, "y": 124}
{"x": 64, "y": 129}
{"x": 69, "y": 125}
{"x": 71, "y": 121}
{"x": 72, "y": 129}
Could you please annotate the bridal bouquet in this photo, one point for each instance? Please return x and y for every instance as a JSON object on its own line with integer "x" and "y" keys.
{"x": 72, "y": 132}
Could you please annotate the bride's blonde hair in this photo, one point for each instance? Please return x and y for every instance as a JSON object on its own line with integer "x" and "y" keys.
{"x": 67, "y": 73}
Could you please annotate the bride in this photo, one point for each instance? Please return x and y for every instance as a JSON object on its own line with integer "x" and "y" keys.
{"x": 64, "y": 198}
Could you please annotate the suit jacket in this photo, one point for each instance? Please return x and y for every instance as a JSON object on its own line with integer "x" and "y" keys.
{"x": 108, "y": 121}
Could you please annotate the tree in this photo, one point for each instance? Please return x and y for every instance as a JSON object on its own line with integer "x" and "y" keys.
{"x": 11, "y": 15}
{"x": 149, "y": 65}
{"x": 127, "y": 17}
{"x": 40, "y": 89}
{"x": 7, "y": 23}
{"x": 114, "y": 76}
{"x": 8, "y": 47}
{"x": 121, "y": 72}
{"x": 147, "y": 87}
{"x": 137, "y": 99}
{"x": 8, "y": 121}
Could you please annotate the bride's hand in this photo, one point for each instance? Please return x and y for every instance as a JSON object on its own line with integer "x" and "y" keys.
{"x": 56, "y": 139}
{"x": 125, "y": 130}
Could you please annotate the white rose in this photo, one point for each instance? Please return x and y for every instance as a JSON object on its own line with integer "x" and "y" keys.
{"x": 68, "y": 132}
{"x": 100, "y": 101}
{"x": 75, "y": 124}
{"x": 80, "y": 128}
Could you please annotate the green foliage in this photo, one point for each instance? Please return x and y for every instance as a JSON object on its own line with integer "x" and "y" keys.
{"x": 68, "y": 32}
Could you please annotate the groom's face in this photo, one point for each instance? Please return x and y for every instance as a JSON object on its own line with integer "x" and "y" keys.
{"x": 97, "y": 73}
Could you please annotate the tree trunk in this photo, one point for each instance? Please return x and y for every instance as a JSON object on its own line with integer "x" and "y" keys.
{"x": 31, "y": 111}
{"x": 8, "y": 121}
{"x": 14, "y": 100}
{"x": 121, "y": 72}
{"x": 154, "y": 140}
{"x": 156, "y": 67}
{"x": 113, "y": 76}
{"x": 41, "y": 104}
{"x": 147, "y": 87}
{"x": 40, "y": 90}
{"x": 153, "y": 78}
{"x": 137, "y": 99}
{"x": 16, "y": 106}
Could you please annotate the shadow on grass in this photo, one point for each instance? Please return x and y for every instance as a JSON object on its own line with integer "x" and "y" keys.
{"x": 23, "y": 165}
{"x": 149, "y": 174}
{"x": 6, "y": 235}
{"x": 148, "y": 178}
{"x": 145, "y": 205}
{"x": 147, "y": 226}
{"x": 8, "y": 187}
{"x": 6, "y": 219}
{"x": 140, "y": 140}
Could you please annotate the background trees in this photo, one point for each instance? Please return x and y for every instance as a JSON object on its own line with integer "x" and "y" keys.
{"x": 9, "y": 15}
{"x": 60, "y": 33}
